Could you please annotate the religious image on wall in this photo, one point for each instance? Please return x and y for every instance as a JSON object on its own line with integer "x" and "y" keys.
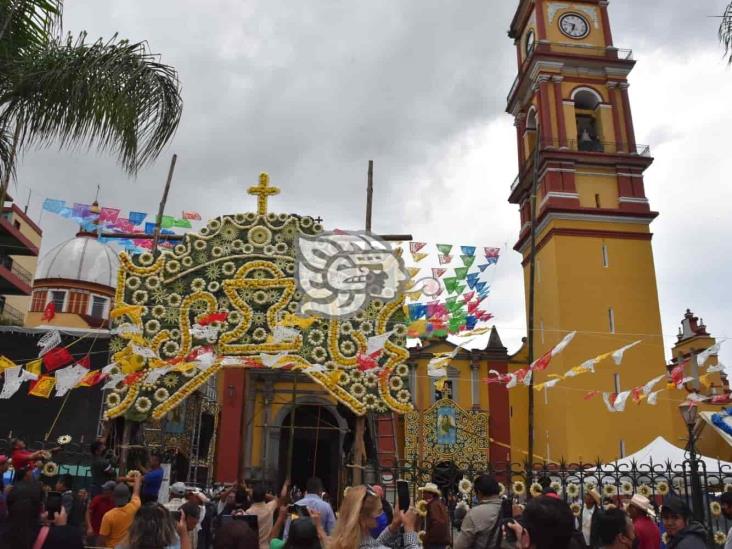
{"x": 227, "y": 296}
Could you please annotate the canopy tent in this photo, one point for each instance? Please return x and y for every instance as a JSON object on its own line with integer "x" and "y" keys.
{"x": 660, "y": 452}
{"x": 707, "y": 416}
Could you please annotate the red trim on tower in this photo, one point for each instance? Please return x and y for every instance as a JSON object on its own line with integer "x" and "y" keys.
{"x": 499, "y": 422}
{"x": 540, "y": 21}
{"x": 612, "y": 92}
{"x": 546, "y": 121}
{"x": 628, "y": 116}
{"x": 559, "y": 102}
{"x": 228, "y": 451}
{"x": 606, "y": 24}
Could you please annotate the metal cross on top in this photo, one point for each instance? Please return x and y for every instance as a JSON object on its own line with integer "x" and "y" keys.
{"x": 263, "y": 191}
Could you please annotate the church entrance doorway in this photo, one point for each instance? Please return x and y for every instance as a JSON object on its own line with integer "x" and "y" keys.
{"x": 317, "y": 450}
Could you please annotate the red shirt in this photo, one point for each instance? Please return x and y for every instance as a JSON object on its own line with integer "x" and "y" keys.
{"x": 21, "y": 459}
{"x": 647, "y": 534}
{"x": 97, "y": 509}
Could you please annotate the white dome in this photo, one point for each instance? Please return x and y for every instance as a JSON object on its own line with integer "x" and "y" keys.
{"x": 84, "y": 259}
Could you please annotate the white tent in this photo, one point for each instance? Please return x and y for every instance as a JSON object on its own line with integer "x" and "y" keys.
{"x": 661, "y": 451}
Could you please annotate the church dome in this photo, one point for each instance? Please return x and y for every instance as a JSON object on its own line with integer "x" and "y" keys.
{"x": 83, "y": 259}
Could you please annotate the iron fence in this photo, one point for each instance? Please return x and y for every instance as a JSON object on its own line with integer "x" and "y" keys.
{"x": 616, "y": 483}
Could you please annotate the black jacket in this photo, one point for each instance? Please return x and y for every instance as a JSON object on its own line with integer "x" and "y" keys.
{"x": 694, "y": 536}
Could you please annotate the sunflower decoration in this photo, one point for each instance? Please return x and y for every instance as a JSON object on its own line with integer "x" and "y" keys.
{"x": 557, "y": 487}
{"x": 715, "y": 508}
{"x": 626, "y": 488}
{"x": 518, "y": 487}
{"x": 536, "y": 489}
{"x": 662, "y": 488}
{"x": 576, "y": 509}
{"x": 63, "y": 440}
{"x": 720, "y": 537}
{"x": 609, "y": 490}
{"x": 645, "y": 490}
{"x": 465, "y": 486}
{"x": 728, "y": 487}
{"x": 134, "y": 473}
{"x": 421, "y": 507}
{"x": 665, "y": 538}
{"x": 573, "y": 490}
{"x": 421, "y": 535}
{"x": 501, "y": 489}
{"x": 50, "y": 469}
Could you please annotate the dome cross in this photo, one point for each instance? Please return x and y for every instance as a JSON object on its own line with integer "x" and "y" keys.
{"x": 263, "y": 191}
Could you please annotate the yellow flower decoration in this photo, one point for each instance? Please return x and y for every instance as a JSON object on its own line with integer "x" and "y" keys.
{"x": 573, "y": 490}
{"x": 728, "y": 487}
{"x": 518, "y": 487}
{"x": 421, "y": 507}
{"x": 626, "y": 488}
{"x": 645, "y": 490}
{"x": 576, "y": 509}
{"x": 715, "y": 508}
{"x": 502, "y": 489}
{"x": 664, "y": 538}
{"x": 720, "y": 537}
{"x": 421, "y": 535}
{"x": 662, "y": 488}
{"x": 50, "y": 469}
{"x": 557, "y": 487}
{"x": 465, "y": 486}
{"x": 535, "y": 489}
{"x": 610, "y": 490}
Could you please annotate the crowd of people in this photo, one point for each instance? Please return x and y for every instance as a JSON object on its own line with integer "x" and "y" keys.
{"x": 125, "y": 513}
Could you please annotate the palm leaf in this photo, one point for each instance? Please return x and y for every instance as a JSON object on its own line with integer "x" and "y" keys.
{"x": 27, "y": 23}
{"x": 114, "y": 95}
{"x": 725, "y": 32}
{"x": 7, "y": 156}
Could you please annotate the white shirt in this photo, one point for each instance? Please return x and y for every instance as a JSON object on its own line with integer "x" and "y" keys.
{"x": 587, "y": 523}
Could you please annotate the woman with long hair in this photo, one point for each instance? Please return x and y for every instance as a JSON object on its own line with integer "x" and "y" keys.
{"x": 155, "y": 528}
{"x": 359, "y": 513}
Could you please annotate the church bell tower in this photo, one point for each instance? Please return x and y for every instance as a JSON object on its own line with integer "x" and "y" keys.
{"x": 594, "y": 260}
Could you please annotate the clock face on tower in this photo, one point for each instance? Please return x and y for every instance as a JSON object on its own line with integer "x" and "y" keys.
{"x": 574, "y": 26}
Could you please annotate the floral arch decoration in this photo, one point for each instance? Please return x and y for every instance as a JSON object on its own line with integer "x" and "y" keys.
{"x": 224, "y": 297}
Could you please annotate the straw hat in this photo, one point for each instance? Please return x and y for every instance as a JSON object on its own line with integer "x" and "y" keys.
{"x": 595, "y": 495}
{"x": 643, "y": 503}
{"x": 431, "y": 488}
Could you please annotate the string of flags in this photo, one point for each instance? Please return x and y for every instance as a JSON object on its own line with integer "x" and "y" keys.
{"x": 93, "y": 219}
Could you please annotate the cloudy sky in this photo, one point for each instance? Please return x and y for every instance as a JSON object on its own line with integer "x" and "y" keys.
{"x": 310, "y": 90}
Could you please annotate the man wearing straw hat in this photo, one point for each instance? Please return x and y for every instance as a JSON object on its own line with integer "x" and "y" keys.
{"x": 437, "y": 523}
{"x": 590, "y": 515}
{"x": 647, "y": 534}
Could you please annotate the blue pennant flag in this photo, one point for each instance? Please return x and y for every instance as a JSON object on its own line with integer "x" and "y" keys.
{"x": 417, "y": 310}
{"x": 149, "y": 228}
{"x": 53, "y": 206}
{"x": 66, "y": 212}
{"x": 470, "y": 322}
{"x": 491, "y": 261}
{"x": 468, "y": 250}
{"x": 137, "y": 217}
{"x": 484, "y": 267}
{"x": 480, "y": 286}
{"x": 89, "y": 226}
{"x": 166, "y": 231}
{"x": 472, "y": 280}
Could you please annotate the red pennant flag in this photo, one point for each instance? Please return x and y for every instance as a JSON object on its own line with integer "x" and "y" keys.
{"x": 591, "y": 394}
{"x": 521, "y": 374}
{"x": 133, "y": 378}
{"x": 437, "y": 272}
{"x": 492, "y": 252}
{"x": 444, "y": 259}
{"x": 193, "y": 216}
{"x": 368, "y": 362}
{"x": 636, "y": 393}
{"x": 57, "y": 358}
{"x": 84, "y": 361}
{"x": 542, "y": 363}
{"x": 414, "y": 247}
{"x": 92, "y": 378}
{"x": 198, "y": 351}
{"x": 213, "y": 317}
{"x": 49, "y": 312}
{"x": 468, "y": 296}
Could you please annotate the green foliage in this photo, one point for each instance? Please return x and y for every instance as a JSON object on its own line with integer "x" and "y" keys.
{"x": 113, "y": 94}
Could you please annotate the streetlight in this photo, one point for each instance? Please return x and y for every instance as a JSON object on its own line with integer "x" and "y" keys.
{"x": 690, "y": 411}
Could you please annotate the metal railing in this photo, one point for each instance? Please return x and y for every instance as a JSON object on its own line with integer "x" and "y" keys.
{"x": 571, "y": 49}
{"x": 11, "y": 314}
{"x": 24, "y": 274}
{"x": 616, "y": 483}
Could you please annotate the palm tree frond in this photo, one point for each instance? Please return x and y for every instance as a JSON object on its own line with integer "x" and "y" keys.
{"x": 725, "y": 33}
{"x": 28, "y": 23}
{"x": 7, "y": 156}
{"x": 114, "y": 95}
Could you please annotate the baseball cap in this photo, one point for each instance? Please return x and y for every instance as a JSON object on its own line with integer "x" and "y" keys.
{"x": 676, "y": 506}
{"x": 178, "y": 489}
{"x": 121, "y": 495}
{"x": 109, "y": 485}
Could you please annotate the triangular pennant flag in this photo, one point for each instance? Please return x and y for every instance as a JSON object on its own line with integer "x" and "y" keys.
{"x": 472, "y": 280}
{"x": 468, "y": 250}
{"x": 57, "y": 358}
{"x": 68, "y": 378}
{"x": 468, "y": 260}
{"x": 414, "y": 296}
{"x": 618, "y": 355}
{"x": 461, "y": 272}
{"x": 484, "y": 267}
{"x": 417, "y": 257}
{"x": 369, "y": 361}
{"x": 492, "y": 252}
{"x": 702, "y": 357}
{"x": 34, "y": 367}
{"x": 14, "y": 377}
{"x": 42, "y": 387}
{"x": 460, "y": 288}
{"x": 470, "y": 322}
{"x": 376, "y": 343}
{"x": 590, "y": 395}
{"x": 491, "y": 261}
{"x": 414, "y": 247}
{"x": 444, "y": 259}
{"x": 413, "y": 271}
{"x": 468, "y": 296}
{"x": 6, "y": 363}
{"x": 91, "y": 378}
{"x": 451, "y": 284}
{"x": 480, "y": 286}
{"x": 416, "y": 310}
{"x": 437, "y": 272}
{"x": 444, "y": 249}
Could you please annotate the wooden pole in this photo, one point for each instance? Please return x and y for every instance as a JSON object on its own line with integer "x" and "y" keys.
{"x": 359, "y": 450}
{"x": 27, "y": 202}
{"x": 126, "y": 433}
{"x": 291, "y": 445}
{"x": 369, "y": 195}
{"x": 159, "y": 219}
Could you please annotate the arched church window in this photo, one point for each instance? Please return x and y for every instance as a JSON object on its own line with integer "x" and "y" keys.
{"x": 530, "y": 133}
{"x": 587, "y": 116}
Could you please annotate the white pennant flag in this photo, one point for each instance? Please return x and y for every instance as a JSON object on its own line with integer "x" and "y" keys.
{"x": 527, "y": 377}
{"x": 14, "y": 377}
{"x": 618, "y": 405}
{"x": 126, "y": 329}
{"x": 49, "y": 341}
{"x": 653, "y": 397}
{"x": 376, "y": 343}
{"x": 437, "y": 364}
{"x": 109, "y": 367}
{"x": 696, "y": 397}
{"x": 512, "y": 382}
{"x": 618, "y": 355}
{"x": 156, "y": 373}
{"x": 648, "y": 387}
{"x": 702, "y": 357}
{"x": 563, "y": 344}
{"x": 551, "y": 384}
{"x": 586, "y": 366}
{"x": 68, "y": 378}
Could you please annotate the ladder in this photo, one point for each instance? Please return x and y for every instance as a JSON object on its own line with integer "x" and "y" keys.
{"x": 384, "y": 433}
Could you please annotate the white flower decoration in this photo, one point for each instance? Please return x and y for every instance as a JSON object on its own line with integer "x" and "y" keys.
{"x": 133, "y": 282}
{"x": 146, "y": 259}
{"x": 198, "y": 284}
{"x": 161, "y": 394}
{"x": 172, "y": 266}
{"x": 465, "y": 486}
{"x": 143, "y": 405}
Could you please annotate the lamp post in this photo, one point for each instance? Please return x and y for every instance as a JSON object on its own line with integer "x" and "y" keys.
{"x": 689, "y": 411}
